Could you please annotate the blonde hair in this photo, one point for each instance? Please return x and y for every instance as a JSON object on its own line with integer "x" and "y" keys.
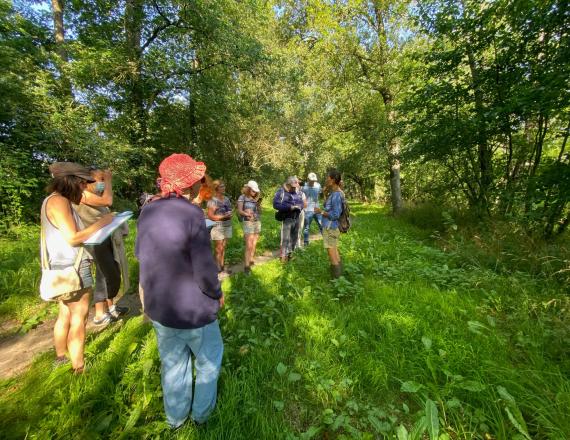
{"x": 246, "y": 191}
{"x": 216, "y": 184}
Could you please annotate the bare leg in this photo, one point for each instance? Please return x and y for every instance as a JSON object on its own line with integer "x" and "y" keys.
{"x": 334, "y": 256}
{"x": 253, "y": 245}
{"x": 224, "y": 241}
{"x": 247, "y": 252}
{"x": 76, "y": 337}
{"x": 61, "y": 329}
{"x": 219, "y": 253}
{"x": 101, "y": 308}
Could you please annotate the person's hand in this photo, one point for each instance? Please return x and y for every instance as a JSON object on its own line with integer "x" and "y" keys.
{"x": 106, "y": 219}
{"x": 317, "y": 210}
{"x": 108, "y": 175}
{"x": 222, "y": 301}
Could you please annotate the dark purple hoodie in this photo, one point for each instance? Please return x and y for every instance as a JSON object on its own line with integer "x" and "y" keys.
{"x": 177, "y": 269}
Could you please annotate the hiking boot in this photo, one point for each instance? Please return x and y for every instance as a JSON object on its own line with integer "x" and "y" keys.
{"x": 247, "y": 270}
{"x": 336, "y": 271}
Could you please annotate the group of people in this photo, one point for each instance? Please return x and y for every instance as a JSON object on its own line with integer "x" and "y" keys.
{"x": 297, "y": 206}
{"x": 178, "y": 272}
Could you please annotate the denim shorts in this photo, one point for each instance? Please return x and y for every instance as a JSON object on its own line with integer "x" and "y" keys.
{"x": 251, "y": 227}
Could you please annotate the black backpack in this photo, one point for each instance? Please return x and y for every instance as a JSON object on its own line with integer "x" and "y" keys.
{"x": 281, "y": 215}
{"x": 344, "y": 219}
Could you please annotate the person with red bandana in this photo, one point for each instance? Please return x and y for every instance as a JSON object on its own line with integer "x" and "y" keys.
{"x": 182, "y": 293}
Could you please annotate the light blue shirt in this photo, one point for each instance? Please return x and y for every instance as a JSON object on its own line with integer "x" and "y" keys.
{"x": 312, "y": 193}
{"x": 333, "y": 208}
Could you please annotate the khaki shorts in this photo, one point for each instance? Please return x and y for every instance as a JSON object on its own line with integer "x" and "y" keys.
{"x": 251, "y": 227}
{"x": 221, "y": 232}
{"x": 330, "y": 238}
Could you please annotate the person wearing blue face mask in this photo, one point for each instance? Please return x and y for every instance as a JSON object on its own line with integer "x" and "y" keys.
{"x": 110, "y": 258}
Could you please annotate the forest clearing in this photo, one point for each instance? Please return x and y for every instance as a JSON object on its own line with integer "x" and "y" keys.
{"x": 443, "y": 125}
{"x": 413, "y": 339}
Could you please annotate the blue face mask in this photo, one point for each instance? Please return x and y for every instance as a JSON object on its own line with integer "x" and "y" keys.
{"x": 100, "y": 186}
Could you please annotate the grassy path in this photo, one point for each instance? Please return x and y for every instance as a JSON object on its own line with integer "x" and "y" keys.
{"x": 18, "y": 349}
{"x": 412, "y": 342}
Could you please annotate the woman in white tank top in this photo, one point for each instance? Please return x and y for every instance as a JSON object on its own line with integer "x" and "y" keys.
{"x": 64, "y": 234}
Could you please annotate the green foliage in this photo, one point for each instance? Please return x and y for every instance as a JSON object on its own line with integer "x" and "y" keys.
{"x": 412, "y": 342}
{"x": 487, "y": 107}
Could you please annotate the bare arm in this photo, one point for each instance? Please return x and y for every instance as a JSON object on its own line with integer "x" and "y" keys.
{"x": 241, "y": 211}
{"x": 105, "y": 199}
{"x": 217, "y": 218}
{"x": 58, "y": 211}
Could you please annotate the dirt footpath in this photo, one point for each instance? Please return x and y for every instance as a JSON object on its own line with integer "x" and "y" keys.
{"x": 18, "y": 350}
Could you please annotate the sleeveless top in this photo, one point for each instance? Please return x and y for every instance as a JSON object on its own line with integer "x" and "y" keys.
{"x": 249, "y": 204}
{"x": 60, "y": 252}
{"x": 222, "y": 207}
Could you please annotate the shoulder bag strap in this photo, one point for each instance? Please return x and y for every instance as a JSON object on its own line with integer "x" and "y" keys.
{"x": 43, "y": 244}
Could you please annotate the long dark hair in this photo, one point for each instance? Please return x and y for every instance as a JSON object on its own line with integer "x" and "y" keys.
{"x": 68, "y": 186}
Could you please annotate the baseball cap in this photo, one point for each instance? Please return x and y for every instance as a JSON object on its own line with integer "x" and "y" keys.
{"x": 253, "y": 185}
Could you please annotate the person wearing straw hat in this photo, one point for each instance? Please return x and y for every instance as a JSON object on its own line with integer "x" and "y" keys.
{"x": 182, "y": 293}
{"x": 249, "y": 211}
{"x": 62, "y": 236}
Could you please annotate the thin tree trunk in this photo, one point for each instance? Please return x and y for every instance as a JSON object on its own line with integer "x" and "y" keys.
{"x": 59, "y": 30}
{"x": 134, "y": 14}
{"x": 388, "y": 98}
{"x": 136, "y": 129}
{"x": 59, "y": 35}
{"x": 484, "y": 152}
{"x": 563, "y": 148}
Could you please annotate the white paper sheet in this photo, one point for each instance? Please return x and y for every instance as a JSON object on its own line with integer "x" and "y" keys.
{"x": 102, "y": 234}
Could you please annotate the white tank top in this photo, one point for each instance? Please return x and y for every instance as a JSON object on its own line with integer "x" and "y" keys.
{"x": 60, "y": 252}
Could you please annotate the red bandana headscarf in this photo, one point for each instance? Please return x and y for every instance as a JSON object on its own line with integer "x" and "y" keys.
{"x": 178, "y": 172}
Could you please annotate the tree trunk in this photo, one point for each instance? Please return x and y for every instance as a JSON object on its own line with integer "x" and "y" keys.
{"x": 135, "y": 93}
{"x": 388, "y": 98}
{"x": 485, "y": 153}
{"x": 59, "y": 35}
{"x": 394, "y": 160}
{"x": 134, "y": 14}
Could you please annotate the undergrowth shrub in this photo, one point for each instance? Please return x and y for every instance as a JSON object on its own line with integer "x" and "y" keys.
{"x": 497, "y": 244}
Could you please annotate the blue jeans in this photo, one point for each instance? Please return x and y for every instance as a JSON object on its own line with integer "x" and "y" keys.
{"x": 176, "y": 347}
{"x": 289, "y": 235}
{"x": 309, "y": 217}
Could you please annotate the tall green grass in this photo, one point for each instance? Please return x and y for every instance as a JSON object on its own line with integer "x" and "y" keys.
{"x": 412, "y": 343}
{"x": 20, "y": 271}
